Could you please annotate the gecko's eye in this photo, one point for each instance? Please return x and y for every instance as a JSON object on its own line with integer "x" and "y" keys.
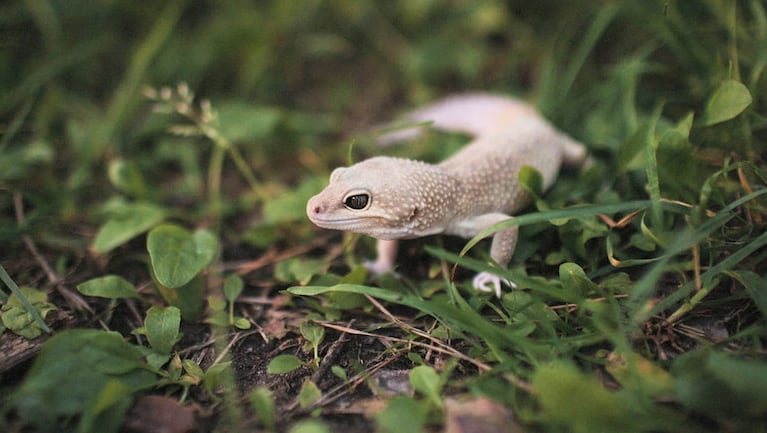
{"x": 357, "y": 201}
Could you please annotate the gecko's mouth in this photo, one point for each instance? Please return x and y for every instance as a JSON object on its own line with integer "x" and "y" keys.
{"x": 376, "y": 227}
{"x": 348, "y": 224}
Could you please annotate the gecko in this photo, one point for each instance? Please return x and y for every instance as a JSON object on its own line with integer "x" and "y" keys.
{"x": 391, "y": 198}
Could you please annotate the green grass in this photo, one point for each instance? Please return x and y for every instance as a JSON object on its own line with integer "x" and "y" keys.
{"x": 155, "y": 163}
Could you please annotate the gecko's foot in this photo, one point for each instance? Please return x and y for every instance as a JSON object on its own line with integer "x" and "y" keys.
{"x": 487, "y": 282}
{"x": 378, "y": 268}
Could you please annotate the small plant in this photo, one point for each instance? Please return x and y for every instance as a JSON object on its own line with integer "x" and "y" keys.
{"x": 24, "y": 311}
{"x": 222, "y": 310}
{"x": 202, "y": 122}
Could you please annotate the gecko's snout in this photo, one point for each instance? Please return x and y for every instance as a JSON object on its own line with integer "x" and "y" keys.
{"x": 313, "y": 208}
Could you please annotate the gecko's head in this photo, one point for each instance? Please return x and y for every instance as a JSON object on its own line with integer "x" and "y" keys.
{"x": 386, "y": 198}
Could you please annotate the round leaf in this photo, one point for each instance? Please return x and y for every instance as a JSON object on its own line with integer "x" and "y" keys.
{"x": 573, "y": 278}
{"x": 178, "y": 255}
{"x": 233, "y": 287}
{"x": 241, "y": 323}
{"x": 309, "y": 394}
{"x": 161, "y": 325}
{"x": 426, "y": 381}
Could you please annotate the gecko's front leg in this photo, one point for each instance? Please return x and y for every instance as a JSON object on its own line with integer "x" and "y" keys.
{"x": 501, "y": 250}
{"x": 386, "y": 251}
{"x": 504, "y": 243}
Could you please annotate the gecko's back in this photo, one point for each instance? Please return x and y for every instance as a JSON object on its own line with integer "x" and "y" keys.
{"x": 508, "y": 134}
{"x": 488, "y": 167}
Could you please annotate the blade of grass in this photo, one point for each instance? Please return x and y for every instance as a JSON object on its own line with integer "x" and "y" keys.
{"x": 535, "y": 284}
{"x": 600, "y": 22}
{"x": 754, "y": 285}
{"x": 17, "y": 121}
{"x": 683, "y": 242}
{"x": 128, "y": 94}
{"x": 465, "y": 319}
{"x": 47, "y": 22}
{"x": 556, "y": 81}
{"x": 577, "y": 211}
{"x": 5, "y": 278}
{"x": 708, "y": 278}
{"x": 68, "y": 59}
{"x": 651, "y": 169}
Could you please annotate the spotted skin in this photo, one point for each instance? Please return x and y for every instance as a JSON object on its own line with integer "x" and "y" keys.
{"x": 470, "y": 191}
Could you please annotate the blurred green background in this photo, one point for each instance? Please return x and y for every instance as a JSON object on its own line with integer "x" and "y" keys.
{"x": 294, "y": 81}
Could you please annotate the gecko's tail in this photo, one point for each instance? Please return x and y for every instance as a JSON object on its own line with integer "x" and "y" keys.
{"x": 478, "y": 114}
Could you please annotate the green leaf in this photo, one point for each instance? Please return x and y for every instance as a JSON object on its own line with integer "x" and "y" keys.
{"x": 573, "y": 278}
{"x": 642, "y": 241}
{"x": 162, "y": 325}
{"x": 26, "y": 160}
{"x": 531, "y": 180}
{"x": 525, "y": 308}
{"x": 21, "y": 321}
{"x": 214, "y": 376}
{"x": 193, "y": 369}
{"x": 244, "y": 122}
{"x": 426, "y": 381}
{"x": 728, "y": 101}
{"x": 299, "y": 269}
{"x": 109, "y": 286}
{"x": 721, "y": 385}
{"x": 71, "y": 374}
{"x": 339, "y": 372}
{"x": 637, "y": 373}
{"x": 5, "y": 278}
{"x": 309, "y": 426}
{"x": 218, "y": 318}
{"x": 309, "y": 394}
{"x": 177, "y": 255}
{"x": 571, "y": 399}
{"x": 312, "y": 332}
{"x": 630, "y": 154}
{"x": 402, "y": 415}
{"x": 112, "y": 395}
{"x": 283, "y": 364}
{"x": 216, "y": 304}
{"x": 233, "y": 287}
{"x": 755, "y": 285}
{"x": 126, "y": 223}
{"x": 262, "y": 402}
{"x": 290, "y": 206}
{"x": 175, "y": 367}
{"x": 617, "y": 283}
{"x": 189, "y": 298}
{"x": 678, "y": 164}
{"x": 126, "y": 176}
{"x": 241, "y": 323}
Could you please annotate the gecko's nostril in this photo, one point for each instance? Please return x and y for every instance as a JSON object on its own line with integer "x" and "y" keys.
{"x": 317, "y": 210}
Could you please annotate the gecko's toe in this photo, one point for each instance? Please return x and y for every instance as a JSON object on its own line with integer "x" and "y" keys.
{"x": 487, "y": 282}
